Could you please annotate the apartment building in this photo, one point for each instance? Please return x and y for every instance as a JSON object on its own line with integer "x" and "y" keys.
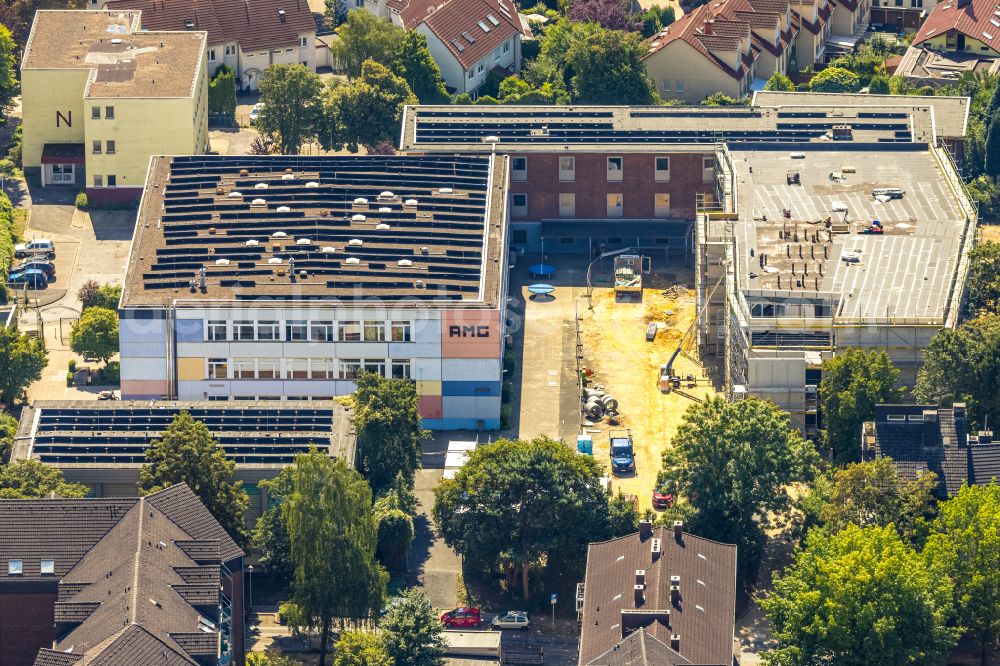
{"x": 100, "y": 95}
{"x": 266, "y": 278}
{"x": 246, "y": 35}
{"x": 732, "y": 47}
{"x": 903, "y": 15}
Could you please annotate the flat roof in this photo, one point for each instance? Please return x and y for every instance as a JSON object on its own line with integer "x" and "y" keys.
{"x": 648, "y": 129}
{"x": 426, "y": 230}
{"x": 907, "y": 273}
{"x": 265, "y": 435}
{"x": 943, "y": 66}
{"x": 951, "y": 113}
{"x": 124, "y": 61}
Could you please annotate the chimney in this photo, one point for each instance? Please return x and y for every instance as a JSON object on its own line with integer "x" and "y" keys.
{"x": 640, "y": 576}
{"x": 678, "y": 530}
{"x": 201, "y": 279}
{"x": 655, "y": 549}
{"x": 931, "y": 430}
{"x": 985, "y": 437}
{"x": 675, "y": 590}
{"x": 645, "y": 529}
{"x": 675, "y": 643}
{"x": 640, "y": 597}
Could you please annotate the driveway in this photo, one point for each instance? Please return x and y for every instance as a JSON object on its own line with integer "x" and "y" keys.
{"x": 434, "y": 566}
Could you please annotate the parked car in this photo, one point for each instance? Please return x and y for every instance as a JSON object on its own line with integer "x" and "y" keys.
{"x": 36, "y": 246}
{"x": 255, "y": 111}
{"x": 32, "y": 277}
{"x": 462, "y": 617}
{"x": 662, "y": 499}
{"x": 107, "y": 395}
{"x": 41, "y": 263}
{"x": 512, "y": 620}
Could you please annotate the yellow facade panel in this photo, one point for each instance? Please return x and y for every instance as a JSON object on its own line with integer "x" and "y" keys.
{"x": 428, "y": 387}
{"x": 190, "y": 368}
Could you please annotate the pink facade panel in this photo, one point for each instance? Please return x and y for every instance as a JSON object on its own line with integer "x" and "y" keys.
{"x": 470, "y": 334}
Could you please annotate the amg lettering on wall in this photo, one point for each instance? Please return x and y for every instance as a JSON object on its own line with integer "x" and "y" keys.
{"x": 468, "y": 331}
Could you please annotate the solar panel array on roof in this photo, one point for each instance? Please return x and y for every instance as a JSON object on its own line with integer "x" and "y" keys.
{"x": 249, "y": 435}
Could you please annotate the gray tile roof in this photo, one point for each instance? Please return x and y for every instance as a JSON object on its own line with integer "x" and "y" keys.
{"x": 640, "y": 648}
{"x": 701, "y": 617}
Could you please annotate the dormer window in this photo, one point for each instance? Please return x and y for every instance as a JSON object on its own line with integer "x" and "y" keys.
{"x": 15, "y": 567}
{"x": 47, "y": 567}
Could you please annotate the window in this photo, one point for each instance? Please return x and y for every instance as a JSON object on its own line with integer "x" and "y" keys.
{"x": 519, "y": 203}
{"x": 400, "y": 368}
{"x": 217, "y": 330}
{"x": 661, "y": 205}
{"x": 15, "y": 567}
{"x": 567, "y": 204}
{"x": 231, "y": 50}
{"x": 665, "y": 85}
{"x": 472, "y": 74}
{"x": 268, "y": 330}
{"x": 242, "y": 330}
{"x": 218, "y": 368}
{"x": 322, "y": 331}
{"x": 296, "y": 330}
{"x": 375, "y": 366}
{"x": 322, "y": 368}
{"x": 707, "y": 168}
{"x": 679, "y": 85}
{"x": 244, "y": 368}
{"x": 615, "y": 205}
{"x": 518, "y": 236}
{"x": 400, "y": 331}
{"x": 349, "y": 331}
{"x": 95, "y": 113}
{"x": 288, "y": 50}
{"x": 479, "y": 69}
{"x": 303, "y": 42}
{"x": 110, "y": 148}
{"x": 374, "y": 331}
{"x": 269, "y": 368}
{"x": 662, "y": 168}
{"x": 211, "y": 55}
{"x": 349, "y": 368}
{"x": 109, "y": 112}
{"x": 218, "y": 398}
{"x": 98, "y": 180}
{"x": 614, "y": 168}
{"x": 519, "y": 168}
{"x": 506, "y": 47}
{"x": 97, "y": 147}
{"x": 112, "y": 180}
{"x": 567, "y": 168}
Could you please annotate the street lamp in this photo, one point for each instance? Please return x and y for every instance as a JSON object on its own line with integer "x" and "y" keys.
{"x": 250, "y": 595}
{"x": 603, "y": 255}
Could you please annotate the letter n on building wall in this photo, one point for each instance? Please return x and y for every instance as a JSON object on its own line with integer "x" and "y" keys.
{"x": 60, "y": 118}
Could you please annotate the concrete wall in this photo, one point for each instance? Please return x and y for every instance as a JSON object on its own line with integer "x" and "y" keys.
{"x": 53, "y": 110}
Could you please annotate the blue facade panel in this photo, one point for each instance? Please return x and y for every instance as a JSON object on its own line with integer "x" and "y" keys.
{"x": 471, "y": 389}
{"x": 190, "y": 330}
{"x": 461, "y": 424}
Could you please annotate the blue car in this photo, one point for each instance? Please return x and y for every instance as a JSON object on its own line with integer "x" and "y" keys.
{"x": 32, "y": 277}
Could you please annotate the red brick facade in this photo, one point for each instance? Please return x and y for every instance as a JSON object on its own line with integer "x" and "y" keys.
{"x": 591, "y": 186}
{"x": 27, "y": 620}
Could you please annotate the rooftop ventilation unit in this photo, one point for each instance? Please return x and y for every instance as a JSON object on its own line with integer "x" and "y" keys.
{"x": 419, "y": 284}
{"x": 312, "y": 183}
{"x": 303, "y": 241}
{"x": 274, "y": 260}
{"x": 404, "y": 263}
{"x": 284, "y": 209}
{"x": 235, "y": 195}
{"x": 355, "y": 242}
{"x": 382, "y": 227}
{"x": 252, "y": 243}
{"x": 386, "y": 196}
{"x": 222, "y": 262}
{"x": 258, "y": 203}
{"x": 288, "y": 176}
{"x": 361, "y": 201}
{"x": 260, "y": 186}
{"x": 357, "y": 218}
{"x": 410, "y": 203}
{"x": 445, "y": 190}
{"x": 385, "y": 209}
{"x": 328, "y": 249}
{"x": 116, "y": 40}
{"x": 279, "y": 234}
{"x": 352, "y": 260}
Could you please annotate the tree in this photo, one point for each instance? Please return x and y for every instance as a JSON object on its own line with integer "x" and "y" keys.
{"x": 222, "y": 92}
{"x": 365, "y": 37}
{"x": 854, "y": 381}
{"x": 270, "y": 535}
{"x": 187, "y": 453}
{"x": 270, "y": 658}
{"x": 982, "y": 286}
{"x": 8, "y": 70}
{"x": 31, "y": 479}
{"x": 608, "y": 69}
{"x": 779, "y": 81}
{"x": 95, "y": 334}
{"x": 879, "y": 85}
{"x": 732, "y": 461}
{"x": 411, "y": 632}
{"x": 415, "y": 64}
{"x": 515, "y": 90}
{"x": 991, "y": 165}
{"x": 22, "y": 358}
{"x": 965, "y": 546}
{"x": 388, "y": 425}
{"x": 334, "y": 13}
{"x": 333, "y": 540}
{"x": 515, "y": 504}
{"x": 394, "y": 512}
{"x": 8, "y": 430}
{"x": 835, "y": 79}
{"x": 871, "y": 493}
{"x": 985, "y": 192}
{"x": 360, "y": 648}
{"x": 367, "y": 110}
{"x": 610, "y": 14}
{"x": 290, "y": 95}
{"x": 860, "y": 597}
{"x": 92, "y": 294}
{"x": 622, "y": 516}
{"x": 656, "y": 18}
{"x": 722, "y": 99}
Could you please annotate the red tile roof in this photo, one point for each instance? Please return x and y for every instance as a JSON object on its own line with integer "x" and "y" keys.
{"x": 254, "y": 24}
{"x": 454, "y": 22}
{"x": 979, "y": 19}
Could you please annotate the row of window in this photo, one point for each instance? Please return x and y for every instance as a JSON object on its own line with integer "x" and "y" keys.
{"x": 367, "y": 330}
{"x": 110, "y": 147}
{"x": 98, "y": 180}
{"x": 109, "y": 113}
{"x": 498, "y": 53}
{"x": 16, "y": 567}
{"x": 567, "y": 204}
{"x": 303, "y": 42}
{"x": 615, "y": 168}
{"x": 306, "y": 368}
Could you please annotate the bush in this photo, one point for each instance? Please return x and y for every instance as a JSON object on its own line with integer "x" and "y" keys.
{"x": 7, "y": 241}
{"x": 69, "y": 379}
{"x": 110, "y": 374}
{"x": 81, "y": 200}
{"x": 72, "y": 365}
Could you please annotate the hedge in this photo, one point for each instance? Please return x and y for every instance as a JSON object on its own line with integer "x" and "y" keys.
{"x": 7, "y": 241}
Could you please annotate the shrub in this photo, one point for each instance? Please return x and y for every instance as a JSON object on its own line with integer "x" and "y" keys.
{"x": 69, "y": 379}
{"x": 7, "y": 241}
{"x": 72, "y": 365}
{"x": 81, "y": 200}
{"x": 110, "y": 374}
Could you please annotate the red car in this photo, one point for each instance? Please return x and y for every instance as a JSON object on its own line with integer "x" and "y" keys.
{"x": 462, "y": 617}
{"x": 662, "y": 499}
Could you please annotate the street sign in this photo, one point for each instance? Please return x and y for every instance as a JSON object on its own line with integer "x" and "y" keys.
{"x": 552, "y": 600}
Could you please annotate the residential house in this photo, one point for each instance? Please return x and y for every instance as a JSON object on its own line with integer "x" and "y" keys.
{"x": 100, "y": 95}
{"x": 659, "y": 597}
{"x": 467, "y": 38}
{"x": 957, "y": 37}
{"x": 928, "y": 438}
{"x": 904, "y": 15}
{"x": 812, "y": 21}
{"x": 246, "y": 35}
{"x": 124, "y": 580}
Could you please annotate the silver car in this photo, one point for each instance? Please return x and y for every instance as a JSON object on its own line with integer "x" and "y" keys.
{"x": 512, "y": 620}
